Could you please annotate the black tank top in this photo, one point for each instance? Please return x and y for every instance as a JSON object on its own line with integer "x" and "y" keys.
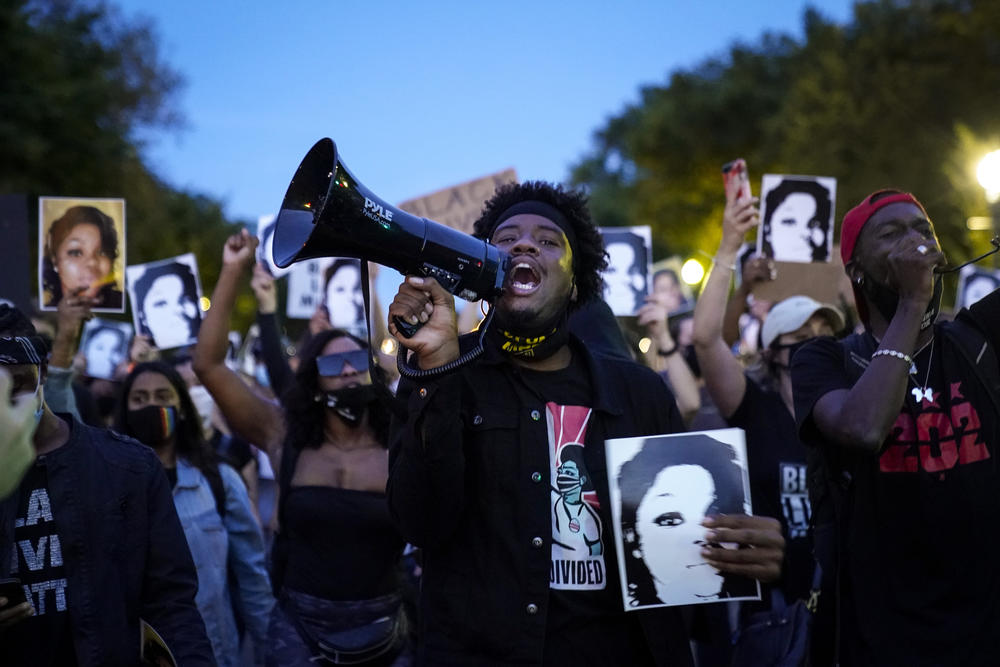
{"x": 342, "y": 544}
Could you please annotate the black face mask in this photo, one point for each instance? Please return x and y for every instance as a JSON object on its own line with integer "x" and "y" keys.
{"x": 886, "y": 299}
{"x": 350, "y": 403}
{"x": 567, "y": 482}
{"x": 152, "y": 425}
{"x": 535, "y": 343}
{"x": 106, "y": 405}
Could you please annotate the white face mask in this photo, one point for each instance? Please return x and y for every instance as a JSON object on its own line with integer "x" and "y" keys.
{"x": 204, "y": 404}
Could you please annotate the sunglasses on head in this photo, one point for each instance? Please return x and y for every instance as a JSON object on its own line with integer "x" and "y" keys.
{"x": 333, "y": 364}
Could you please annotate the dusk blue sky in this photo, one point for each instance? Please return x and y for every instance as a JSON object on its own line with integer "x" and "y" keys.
{"x": 419, "y": 96}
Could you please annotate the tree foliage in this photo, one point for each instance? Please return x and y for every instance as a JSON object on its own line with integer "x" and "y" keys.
{"x": 80, "y": 85}
{"x": 904, "y": 95}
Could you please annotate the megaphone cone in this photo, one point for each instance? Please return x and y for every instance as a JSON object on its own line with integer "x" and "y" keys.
{"x": 328, "y": 213}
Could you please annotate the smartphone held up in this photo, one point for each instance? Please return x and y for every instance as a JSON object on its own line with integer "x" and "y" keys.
{"x": 736, "y": 171}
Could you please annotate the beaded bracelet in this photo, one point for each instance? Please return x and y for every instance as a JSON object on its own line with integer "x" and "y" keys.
{"x": 897, "y": 354}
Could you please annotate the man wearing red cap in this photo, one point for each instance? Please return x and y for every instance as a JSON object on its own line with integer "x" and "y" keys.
{"x": 905, "y": 419}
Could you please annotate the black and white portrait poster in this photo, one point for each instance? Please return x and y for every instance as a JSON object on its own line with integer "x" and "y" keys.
{"x": 974, "y": 283}
{"x": 796, "y": 217}
{"x": 81, "y": 252}
{"x": 306, "y": 287}
{"x": 166, "y": 298}
{"x": 333, "y": 283}
{"x": 265, "y": 247}
{"x": 104, "y": 345}
{"x": 662, "y": 487}
{"x": 626, "y": 280}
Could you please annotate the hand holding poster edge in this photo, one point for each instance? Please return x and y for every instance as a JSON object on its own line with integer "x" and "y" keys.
{"x": 661, "y": 488}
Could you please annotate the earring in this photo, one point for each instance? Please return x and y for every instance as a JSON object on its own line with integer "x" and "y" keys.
{"x": 859, "y": 281}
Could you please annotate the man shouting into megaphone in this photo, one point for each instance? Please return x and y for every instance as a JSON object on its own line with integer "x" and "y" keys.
{"x": 474, "y": 470}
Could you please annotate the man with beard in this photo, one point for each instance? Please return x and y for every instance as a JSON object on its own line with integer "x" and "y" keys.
{"x": 905, "y": 418}
{"x": 479, "y": 468}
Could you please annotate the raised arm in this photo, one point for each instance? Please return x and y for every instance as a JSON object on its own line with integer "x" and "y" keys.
{"x": 73, "y": 311}
{"x": 278, "y": 371}
{"x": 861, "y": 417}
{"x": 665, "y": 355}
{"x": 722, "y": 372}
{"x": 254, "y": 418}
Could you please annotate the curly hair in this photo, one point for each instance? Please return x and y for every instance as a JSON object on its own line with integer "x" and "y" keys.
{"x": 304, "y": 414}
{"x": 590, "y": 258}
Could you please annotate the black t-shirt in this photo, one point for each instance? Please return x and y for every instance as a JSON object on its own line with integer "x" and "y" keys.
{"x": 776, "y": 462}
{"x": 586, "y": 622}
{"x": 46, "y": 637}
{"x": 921, "y": 584}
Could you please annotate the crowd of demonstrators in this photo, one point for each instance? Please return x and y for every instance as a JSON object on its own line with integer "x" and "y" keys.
{"x": 474, "y": 477}
{"x": 336, "y": 555}
{"x": 905, "y": 417}
{"x": 890, "y": 430}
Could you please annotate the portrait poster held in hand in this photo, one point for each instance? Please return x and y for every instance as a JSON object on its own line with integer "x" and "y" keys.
{"x": 797, "y": 217}
{"x": 626, "y": 280}
{"x": 974, "y": 283}
{"x": 81, "y": 245}
{"x": 661, "y": 489}
{"x": 306, "y": 287}
{"x": 104, "y": 344}
{"x": 166, "y": 297}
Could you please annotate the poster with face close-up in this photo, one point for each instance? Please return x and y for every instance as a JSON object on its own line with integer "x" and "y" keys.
{"x": 104, "y": 345}
{"x": 974, "y": 283}
{"x": 165, "y": 297}
{"x": 626, "y": 280}
{"x": 662, "y": 487}
{"x": 81, "y": 252}
{"x": 796, "y": 217}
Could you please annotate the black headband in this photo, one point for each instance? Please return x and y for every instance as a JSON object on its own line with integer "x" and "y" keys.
{"x": 22, "y": 350}
{"x": 534, "y": 207}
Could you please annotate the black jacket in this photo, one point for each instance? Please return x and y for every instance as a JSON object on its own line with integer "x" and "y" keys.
{"x": 124, "y": 550}
{"x": 469, "y": 482}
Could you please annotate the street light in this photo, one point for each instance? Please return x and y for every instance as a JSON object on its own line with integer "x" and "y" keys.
{"x": 988, "y": 175}
{"x": 692, "y": 272}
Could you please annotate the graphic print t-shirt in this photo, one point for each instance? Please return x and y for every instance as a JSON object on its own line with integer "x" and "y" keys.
{"x": 586, "y": 623}
{"x": 36, "y": 559}
{"x": 923, "y": 586}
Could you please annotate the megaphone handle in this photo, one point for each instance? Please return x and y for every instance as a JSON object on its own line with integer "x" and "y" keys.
{"x": 405, "y": 328}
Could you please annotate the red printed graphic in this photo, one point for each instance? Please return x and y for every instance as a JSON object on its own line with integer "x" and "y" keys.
{"x": 937, "y": 440}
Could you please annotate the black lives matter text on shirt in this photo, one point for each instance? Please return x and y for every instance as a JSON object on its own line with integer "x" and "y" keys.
{"x": 776, "y": 464}
{"x": 37, "y": 560}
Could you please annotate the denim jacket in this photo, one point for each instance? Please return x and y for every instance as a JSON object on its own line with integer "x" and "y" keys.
{"x": 220, "y": 546}
{"x": 122, "y": 546}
